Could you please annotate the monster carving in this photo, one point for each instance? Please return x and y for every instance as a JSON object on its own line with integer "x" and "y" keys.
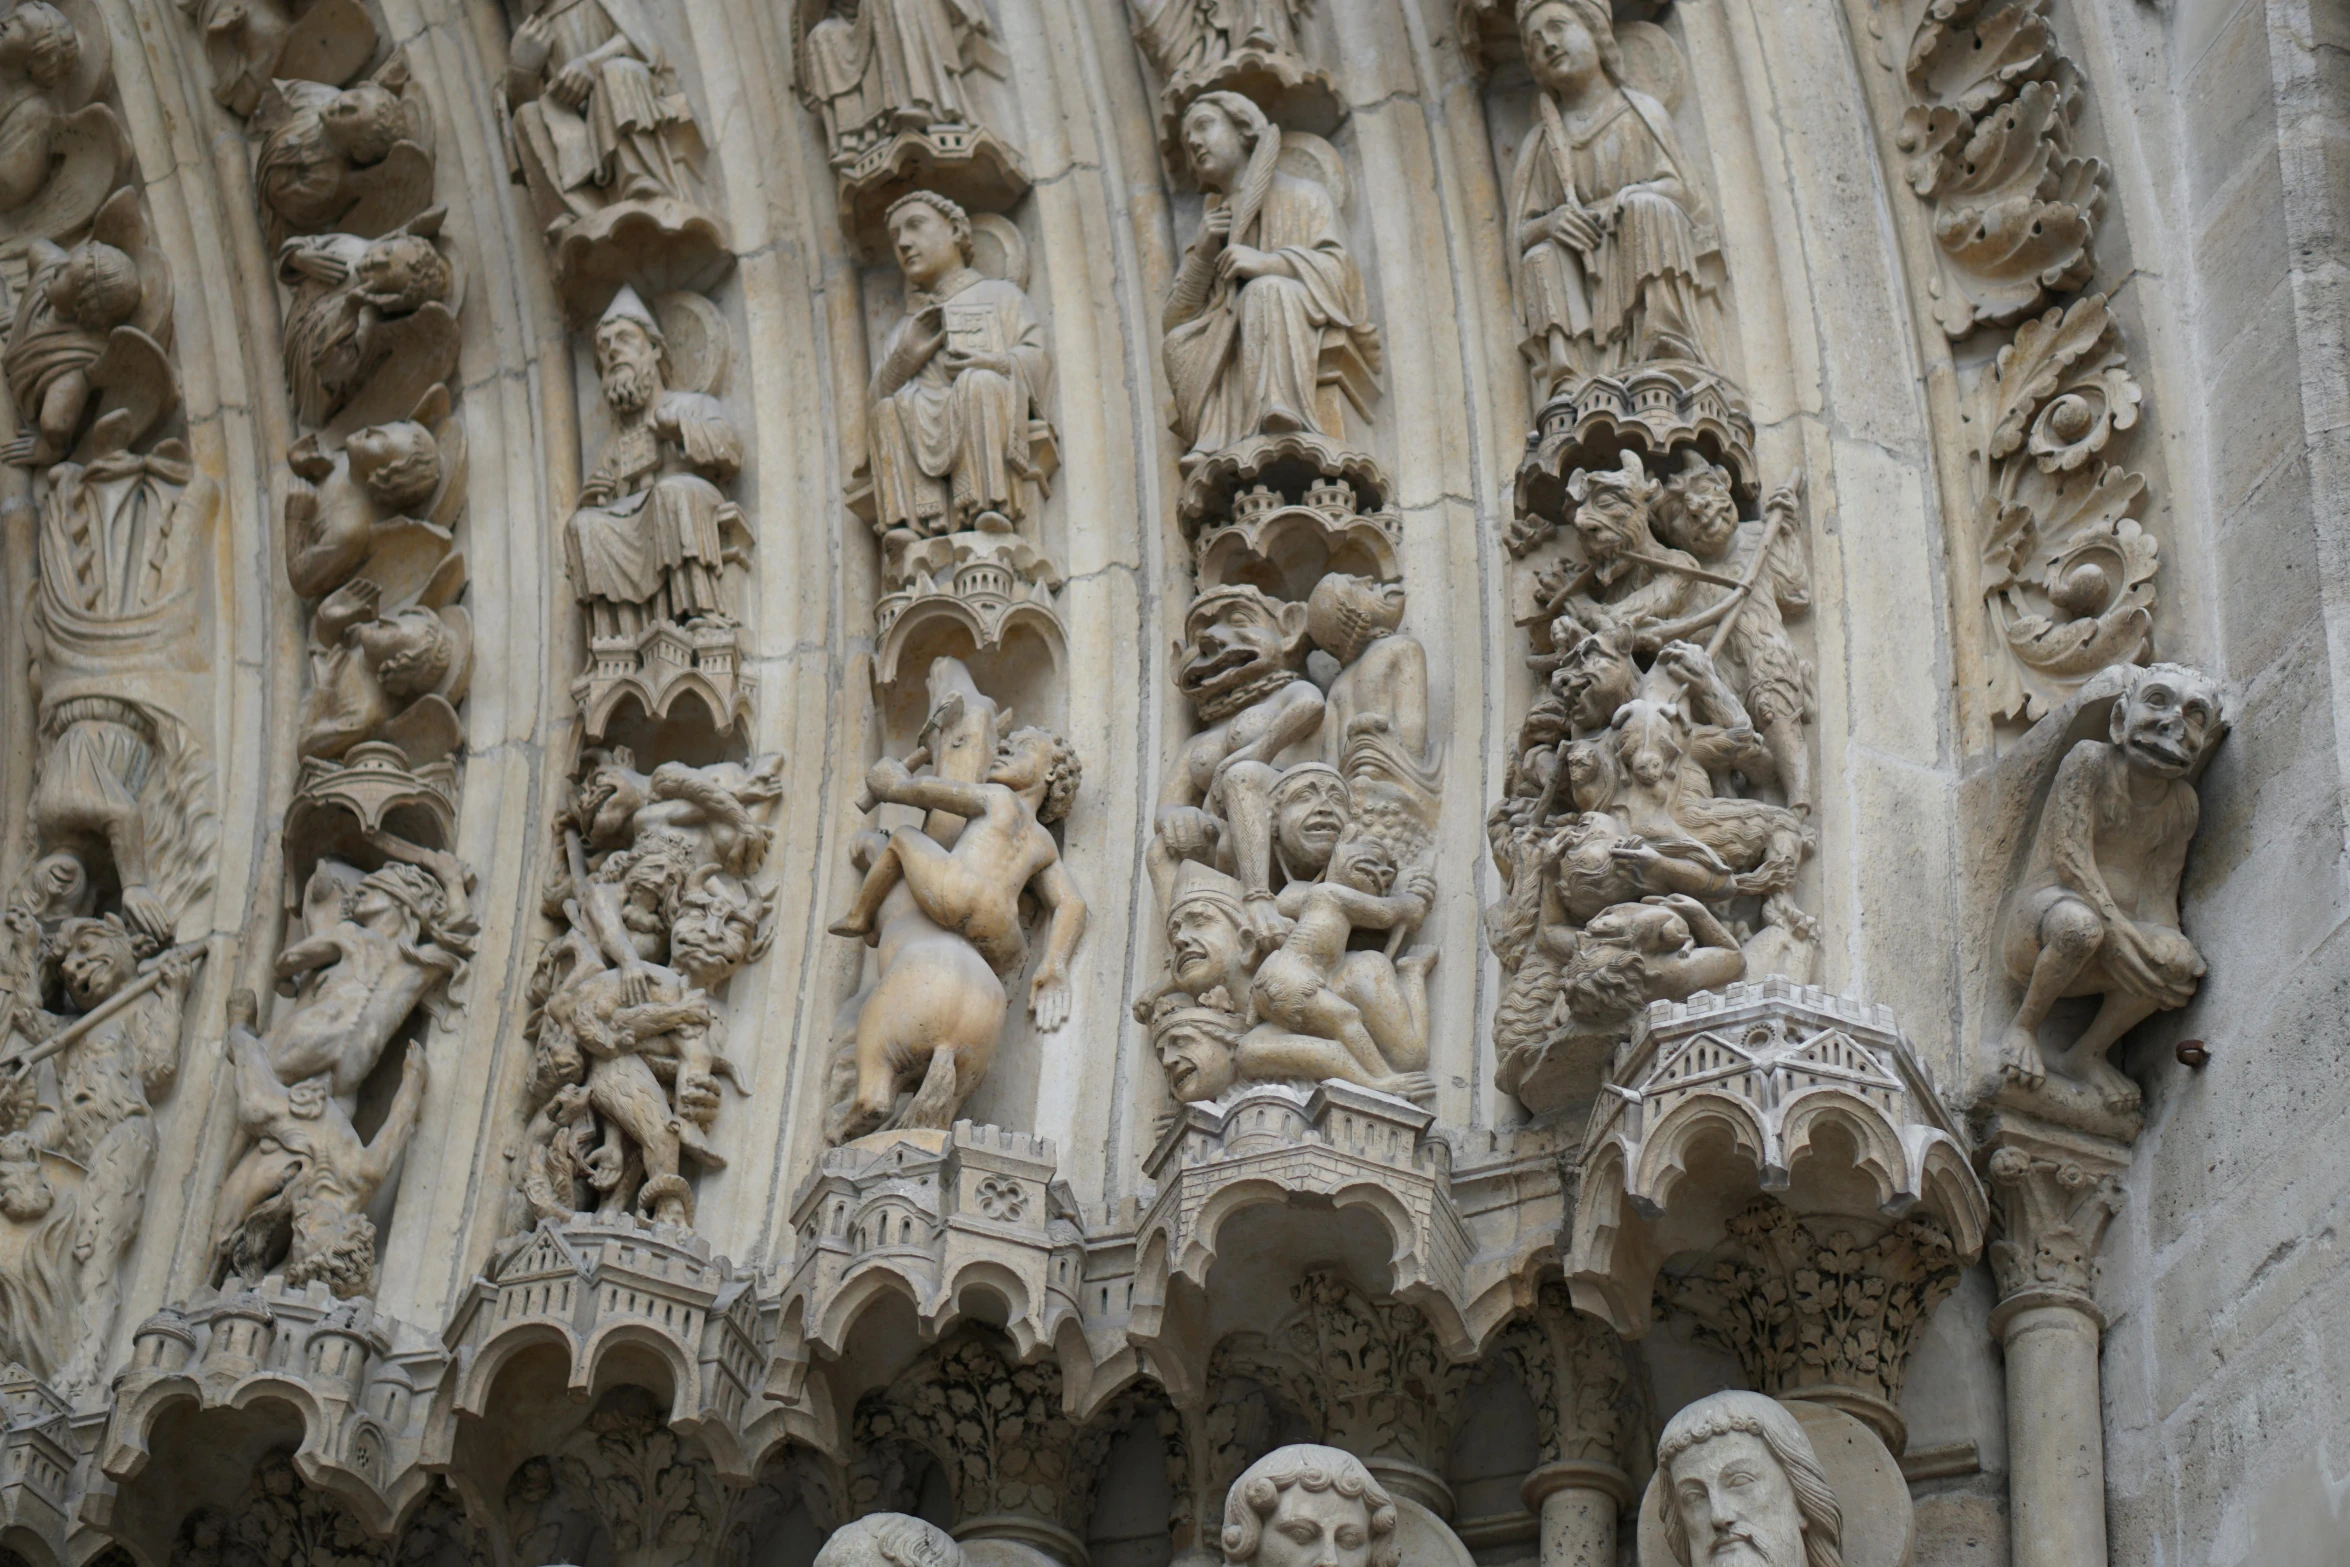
{"x": 941, "y": 905}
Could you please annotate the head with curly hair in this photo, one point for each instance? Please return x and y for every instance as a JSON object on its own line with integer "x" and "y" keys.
{"x": 1307, "y": 1504}
{"x": 98, "y": 288}
{"x": 1738, "y": 1484}
{"x": 403, "y": 272}
{"x": 1031, "y": 758}
{"x": 929, "y": 235}
{"x": 890, "y": 1540}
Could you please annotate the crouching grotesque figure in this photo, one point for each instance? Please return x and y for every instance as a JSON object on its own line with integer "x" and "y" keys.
{"x": 2097, "y": 911}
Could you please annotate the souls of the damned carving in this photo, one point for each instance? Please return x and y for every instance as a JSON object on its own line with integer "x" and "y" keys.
{"x": 1268, "y": 328}
{"x": 602, "y": 135}
{"x": 941, "y": 905}
{"x": 662, "y": 904}
{"x": 1291, "y": 855}
{"x": 2097, "y": 910}
{"x": 90, "y": 1025}
{"x": 1604, "y": 221}
{"x": 1640, "y": 863}
{"x": 370, "y": 949}
{"x": 649, "y": 548}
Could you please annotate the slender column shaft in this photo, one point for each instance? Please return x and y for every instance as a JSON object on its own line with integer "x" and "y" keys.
{"x": 1578, "y": 1504}
{"x": 2055, "y": 1434}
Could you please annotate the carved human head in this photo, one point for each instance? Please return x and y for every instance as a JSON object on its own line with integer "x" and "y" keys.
{"x": 410, "y": 650}
{"x": 1740, "y": 1486}
{"x": 1612, "y": 507}
{"x": 415, "y": 898}
{"x": 716, "y": 928}
{"x": 1220, "y": 131}
{"x": 98, "y": 288}
{"x": 403, "y": 272}
{"x": 1699, "y": 513}
{"x": 1647, "y": 741}
{"x": 1309, "y": 1506}
{"x": 1237, "y": 639}
{"x": 1598, "y": 675}
{"x": 1030, "y": 758}
{"x": 1346, "y": 614}
{"x": 2168, "y": 718}
{"x": 37, "y": 40}
{"x": 630, "y": 353}
{"x": 889, "y": 1540}
{"x": 1362, "y": 860}
{"x": 1566, "y": 40}
{"x": 1197, "y": 1043}
{"x": 929, "y": 235}
{"x": 57, "y": 885}
{"x": 1205, "y": 944}
{"x": 97, "y": 957}
{"x": 398, "y": 464}
{"x": 1311, "y": 808}
{"x": 363, "y": 122}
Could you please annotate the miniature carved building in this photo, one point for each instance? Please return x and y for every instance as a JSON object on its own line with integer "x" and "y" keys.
{"x": 864, "y": 782}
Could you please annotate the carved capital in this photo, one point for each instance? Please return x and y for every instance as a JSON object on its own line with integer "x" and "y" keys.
{"x": 1590, "y": 1401}
{"x": 1814, "y": 1311}
{"x": 2056, "y": 1191}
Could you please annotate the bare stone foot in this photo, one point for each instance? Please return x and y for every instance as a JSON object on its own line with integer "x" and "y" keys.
{"x": 2019, "y": 1057}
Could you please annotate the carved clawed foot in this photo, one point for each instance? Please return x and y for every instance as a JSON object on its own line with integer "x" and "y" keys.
{"x": 2020, "y": 1059}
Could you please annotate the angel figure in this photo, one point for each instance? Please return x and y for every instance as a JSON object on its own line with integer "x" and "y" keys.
{"x": 1266, "y": 289}
{"x": 348, "y": 160}
{"x": 61, "y": 154}
{"x": 960, "y": 379}
{"x": 364, "y": 305}
{"x": 384, "y": 674}
{"x": 248, "y": 43}
{"x": 65, "y": 322}
{"x": 1604, "y": 218}
{"x": 380, "y": 507}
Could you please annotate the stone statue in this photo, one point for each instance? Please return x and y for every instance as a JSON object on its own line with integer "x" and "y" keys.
{"x": 1239, "y": 666}
{"x": 1382, "y": 680}
{"x": 627, "y": 1050}
{"x": 958, "y": 383}
{"x": 376, "y": 947}
{"x": 73, "y": 311}
{"x": 1604, "y": 217}
{"x": 1740, "y": 1486}
{"x": 1187, "y": 40}
{"x": 252, "y": 44}
{"x": 1370, "y": 1002}
{"x": 347, "y": 160}
{"x": 1265, "y": 291}
{"x": 61, "y": 153}
{"x": 653, "y": 534}
{"x": 113, "y": 1049}
{"x": 2097, "y": 911}
{"x": 872, "y": 68}
{"x": 889, "y": 1540}
{"x": 947, "y": 921}
{"x": 1309, "y": 1506}
{"x": 597, "y": 116}
{"x": 363, "y": 309}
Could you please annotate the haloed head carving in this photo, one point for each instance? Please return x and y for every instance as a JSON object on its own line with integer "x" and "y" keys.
{"x": 1740, "y": 1486}
{"x": 1309, "y": 1506}
{"x": 1566, "y": 41}
{"x": 929, "y": 235}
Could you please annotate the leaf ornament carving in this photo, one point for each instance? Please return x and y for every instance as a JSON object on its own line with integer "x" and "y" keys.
{"x": 1989, "y": 136}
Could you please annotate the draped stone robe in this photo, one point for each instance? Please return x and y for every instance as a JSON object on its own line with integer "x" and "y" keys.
{"x": 1637, "y": 298}
{"x": 946, "y": 447}
{"x": 658, "y": 548}
{"x": 1248, "y": 362}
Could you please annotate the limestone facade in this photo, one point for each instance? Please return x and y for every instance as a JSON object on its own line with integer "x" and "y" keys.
{"x": 1075, "y": 784}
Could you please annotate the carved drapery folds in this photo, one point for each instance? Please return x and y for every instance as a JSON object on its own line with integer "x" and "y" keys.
{"x": 2066, "y": 570}
{"x": 115, "y": 861}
